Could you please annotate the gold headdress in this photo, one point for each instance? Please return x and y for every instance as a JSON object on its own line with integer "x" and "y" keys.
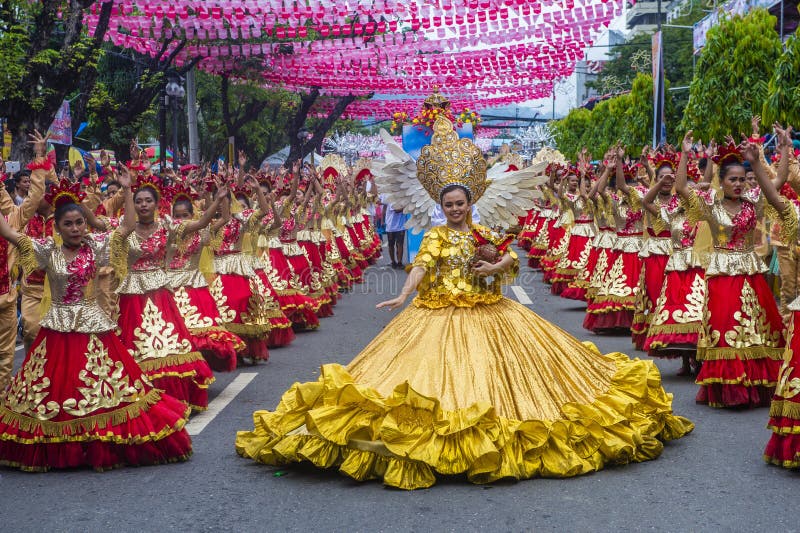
{"x": 436, "y": 99}
{"x": 449, "y": 160}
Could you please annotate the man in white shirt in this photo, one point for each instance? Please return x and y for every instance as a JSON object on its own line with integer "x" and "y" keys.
{"x": 395, "y": 221}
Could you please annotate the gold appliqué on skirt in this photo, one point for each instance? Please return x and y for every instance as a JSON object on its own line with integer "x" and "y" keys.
{"x": 28, "y": 391}
{"x": 191, "y": 315}
{"x": 155, "y": 337}
{"x": 106, "y": 385}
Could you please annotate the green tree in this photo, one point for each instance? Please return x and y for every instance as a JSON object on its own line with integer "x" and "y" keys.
{"x": 47, "y": 56}
{"x": 256, "y": 117}
{"x": 732, "y": 78}
{"x": 573, "y": 131}
{"x": 123, "y": 103}
{"x": 626, "y": 117}
{"x": 633, "y": 57}
{"x": 783, "y": 94}
{"x": 638, "y": 123}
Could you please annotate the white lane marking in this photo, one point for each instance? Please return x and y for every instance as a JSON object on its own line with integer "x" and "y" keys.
{"x": 522, "y": 296}
{"x": 199, "y": 422}
{"x": 18, "y": 347}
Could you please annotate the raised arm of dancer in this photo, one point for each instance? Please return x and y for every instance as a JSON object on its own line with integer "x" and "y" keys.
{"x": 771, "y": 193}
{"x": 13, "y": 236}
{"x": 128, "y": 222}
{"x": 644, "y": 159}
{"x": 649, "y": 201}
{"x": 620, "y": 183}
{"x": 710, "y": 152}
{"x": 208, "y": 214}
{"x": 609, "y": 163}
{"x": 681, "y": 179}
{"x": 263, "y": 205}
{"x": 225, "y": 214}
{"x": 785, "y": 146}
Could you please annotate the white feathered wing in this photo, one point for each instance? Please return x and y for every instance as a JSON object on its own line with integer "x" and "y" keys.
{"x": 510, "y": 195}
{"x": 396, "y": 177}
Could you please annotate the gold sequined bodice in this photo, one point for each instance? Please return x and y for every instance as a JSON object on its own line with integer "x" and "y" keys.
{"x": 73, "y": 307}
{"x": 733, "y": 234}
{"x": 445, "y": 254}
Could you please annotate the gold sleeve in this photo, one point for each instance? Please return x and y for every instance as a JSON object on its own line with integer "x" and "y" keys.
{"x": 119, "y": 254}
{"x": 31, "y": 257}
{"x": 788, "y": 220}
{"x": 696, "y": 209}
{"x": 429, "y": 250}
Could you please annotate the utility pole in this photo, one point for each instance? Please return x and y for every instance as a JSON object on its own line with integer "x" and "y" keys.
{"x": 658, "y": 90}
{"x": 162, "y": 129}
{"x": 191, "y": 118}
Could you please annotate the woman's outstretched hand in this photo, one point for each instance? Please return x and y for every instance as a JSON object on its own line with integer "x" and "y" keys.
{"x": 395, "y": 303}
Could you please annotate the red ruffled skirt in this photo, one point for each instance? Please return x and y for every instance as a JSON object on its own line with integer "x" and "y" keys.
{"x": 572, "y": 263}
{"x": 612, "y": 306}
{"x": 558, "y": 242}
{"x": 741, "y": 345}
{"x": 355, "y": 272}
{"x": 783, "y": 448}
{"x": 598, "y": 271}
{"x": 298, "y": 307}
{"x": 81, "y": 400}
{"x": 246, "y": 309}
{"x": 651, "y": 279}
{"x": 344, "y": 278}
{"x": 356, "y": 253}
{"x": 677, "y": 318}
{"x": 365, "y": 242}
{"x": 281, "y": 333}
{"x": 578, "y": 288}
{"x": 319, "y": 276}
{"x": 310, "y": 281}
{"x": 540, "y": 243}
{"x": 219, "y": 346}
{"x": 373, "y": 238}
{"x": 529, "y": 228}
{"x": 330, "y": 278}
{"x": 153, "y": 331}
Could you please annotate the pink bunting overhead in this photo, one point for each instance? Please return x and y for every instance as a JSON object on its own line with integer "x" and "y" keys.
{"x": 479, "y": 52}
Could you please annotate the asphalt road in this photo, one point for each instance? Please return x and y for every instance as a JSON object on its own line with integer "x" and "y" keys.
{"x": 712, "y": 480}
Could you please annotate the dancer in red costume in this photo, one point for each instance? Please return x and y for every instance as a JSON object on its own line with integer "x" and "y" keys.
{"x": 559, "y": 231}
{"x": 79, "y": 398}
{"x": 613, "y": 305}
{"x": 677, "y": 316}
{"x": 245, "y": 304}
{"x": 581, "y": 232}
{"x": 190, "y": 287}
{"x": 151, "y": 327}
{"x": 783, "y": 448}
{"x": 656, "y": 249}
{"x": 292, "y": 293}
{"x": 741, "y": 345}
{"x": 541, "y": 241}
{"x": 581, "y": 287}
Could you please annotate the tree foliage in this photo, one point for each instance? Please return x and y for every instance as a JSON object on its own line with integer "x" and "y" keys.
{"x": 626, "y": 117}
{"x": 625, "y": 64}
{"x": 733, "y": 74}
{"x": 256, "y": 117}
{"x": 571, "y": 132}
{"x": 783, "y": 94}
{"x": 47, "y": 55}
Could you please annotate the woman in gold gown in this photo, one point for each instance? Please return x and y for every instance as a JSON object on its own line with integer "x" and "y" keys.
{"x": 464, "y": 380}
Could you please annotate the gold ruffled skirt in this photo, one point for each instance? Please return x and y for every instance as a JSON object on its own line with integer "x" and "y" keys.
{"x": 493, "y": 392}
